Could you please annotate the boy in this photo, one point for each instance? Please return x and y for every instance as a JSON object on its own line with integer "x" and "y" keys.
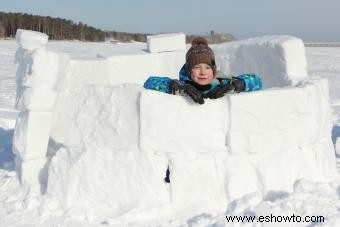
{"x": 197, "y": 78}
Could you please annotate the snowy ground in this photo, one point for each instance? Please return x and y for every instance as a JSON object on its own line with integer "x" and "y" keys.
{"x": 308, "y": 198}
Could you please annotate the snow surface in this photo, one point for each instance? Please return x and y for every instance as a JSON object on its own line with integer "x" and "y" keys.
{"x": 101, "y": 165}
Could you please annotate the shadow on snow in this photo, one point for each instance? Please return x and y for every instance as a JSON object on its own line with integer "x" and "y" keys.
{"x": 335, "y": 133}
{"x": 6, "y": 154}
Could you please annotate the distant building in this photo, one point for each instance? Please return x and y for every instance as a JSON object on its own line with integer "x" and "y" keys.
{"x": 220, "y": 38}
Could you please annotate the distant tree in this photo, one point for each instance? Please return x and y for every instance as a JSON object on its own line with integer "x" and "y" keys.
{"x": 63, "y": 29}
{"x": 56, "y": 28}
{"x": 3, "y": 21}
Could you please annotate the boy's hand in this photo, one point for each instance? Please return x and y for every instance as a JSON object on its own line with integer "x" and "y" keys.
{"x": 194, "y": 94}
{"x": 176, "y": 87}
{"x": 220, "y": 91}
{"x": 238, "y": 85}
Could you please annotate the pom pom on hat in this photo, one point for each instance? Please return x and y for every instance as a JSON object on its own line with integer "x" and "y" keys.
{"x": 199, "y": 41}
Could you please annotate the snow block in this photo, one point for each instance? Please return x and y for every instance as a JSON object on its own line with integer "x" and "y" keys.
{"x": 31, "y": 134}
{"x": 317, "y": 91}
{"x": 64, "y": 116}
{"x": 280, "y": 119}
{"x": 30, "y": 40}
{"x": 64, "y": 73}
{"x": 35, "y": 99}
{"x": 37, "y": 68}
{"x": 246, "y": 174}
{"x": 32, "y": 173}
{"x": 279, "y": 60}
{"x": 101, "y": 115}
{"x": 240, "y": 176}
{"x": 166, "y": 42}
{"x": 125, "y": 69}
{"x": 197, "y": 182}
{"x": 185, "y": 126}
{"x": 133, "y": 180}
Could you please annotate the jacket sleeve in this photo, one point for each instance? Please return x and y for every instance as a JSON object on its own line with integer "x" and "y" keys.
{"x": 158, "y": 83}
{"x": 252, "y": 82}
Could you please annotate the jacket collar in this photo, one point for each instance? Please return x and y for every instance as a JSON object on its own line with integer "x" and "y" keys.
{"x": 183, "y": 76}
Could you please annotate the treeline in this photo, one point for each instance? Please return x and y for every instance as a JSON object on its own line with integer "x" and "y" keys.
{"x": 60, "y": 29}
{"x": 63, "y": 29}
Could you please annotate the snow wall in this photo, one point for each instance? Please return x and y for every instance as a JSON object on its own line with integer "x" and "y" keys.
{"x": 90, "y": 141}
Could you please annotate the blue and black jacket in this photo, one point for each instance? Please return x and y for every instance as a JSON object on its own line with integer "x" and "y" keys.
{"x": 251, "y": 82}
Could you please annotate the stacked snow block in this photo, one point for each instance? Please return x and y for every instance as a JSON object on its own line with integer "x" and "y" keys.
{"x": 104, "y": 131}
{"x": 257, "y": 141}
{"x": 168, "y": 56}
{"x": 109, "y": 117}
{"x": 279, "y": 60}
{"x": 50, "y": 85}
{"x": 124, "y": 137}
{"x": 76, "y": 75}
{"x": 302, "y": 117}
{"x": 36, "y": 80}
{"x": 178, "y": 128}
{"x": 166, "y": 42}
{"x": 134, "y": 68}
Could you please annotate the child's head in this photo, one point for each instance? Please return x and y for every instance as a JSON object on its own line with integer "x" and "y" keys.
{"x": 200, "y": 61}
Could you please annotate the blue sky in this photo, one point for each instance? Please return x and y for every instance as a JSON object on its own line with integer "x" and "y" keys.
{"x": 311, "y": 20}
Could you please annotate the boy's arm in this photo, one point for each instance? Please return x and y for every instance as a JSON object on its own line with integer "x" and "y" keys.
{"x": 251, "y": 82}
{"x": 243, "y": 82}
{"x": 158, "y": 83}
{"x": 170, "y": 86}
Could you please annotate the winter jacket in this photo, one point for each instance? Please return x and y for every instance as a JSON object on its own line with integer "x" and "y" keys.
{"x": 251, "y": 82}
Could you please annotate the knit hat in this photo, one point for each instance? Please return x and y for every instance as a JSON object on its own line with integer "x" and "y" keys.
{"x": 199, "y": 52}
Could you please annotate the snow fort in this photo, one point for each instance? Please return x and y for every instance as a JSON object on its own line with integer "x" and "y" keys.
{"x": 91, "y": 142}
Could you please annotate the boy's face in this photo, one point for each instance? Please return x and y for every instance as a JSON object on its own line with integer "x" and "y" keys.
{"x": 202, "y": 74}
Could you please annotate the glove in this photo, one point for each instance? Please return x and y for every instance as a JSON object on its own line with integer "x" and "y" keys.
{"x": 176, "y": 87}
{"x": 194, "y": 94}
{"x": 238, "y": 85}
{"x": 220, "y": 91}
